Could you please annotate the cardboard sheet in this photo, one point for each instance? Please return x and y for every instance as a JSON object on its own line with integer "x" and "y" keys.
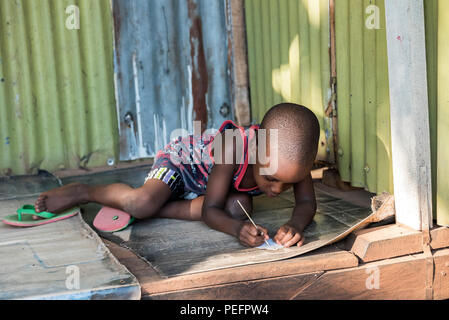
{"x": 175, "y": 247}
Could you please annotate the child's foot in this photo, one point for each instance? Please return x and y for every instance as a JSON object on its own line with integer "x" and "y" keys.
{"x": 60, "y": 199}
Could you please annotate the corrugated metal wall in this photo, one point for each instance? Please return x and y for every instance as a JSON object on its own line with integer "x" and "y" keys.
{"x": 289, "y": 61}
{"x": 288, "y": 56}
{"x": 364, "y": 146}
{"x": 442, "y": 174}
{"x": 363, "y": 102}
{"x": 57, "y": 107}
{"x": 171, "y": 69}
{"x": 431, "y": 9}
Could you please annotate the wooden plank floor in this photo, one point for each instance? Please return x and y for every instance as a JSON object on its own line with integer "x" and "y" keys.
{"x": 35, "y": 263}
{"x": 155, "y": 286}
{"x": 332, "y": 272}
{"x": 327, "y": 273}
{"x": 176, "y": 247}
{"x": 44, "y": 262}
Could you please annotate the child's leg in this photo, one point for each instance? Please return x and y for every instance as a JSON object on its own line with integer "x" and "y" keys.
{"x": 191, "y": 209}
{"x": 141, "y": 203}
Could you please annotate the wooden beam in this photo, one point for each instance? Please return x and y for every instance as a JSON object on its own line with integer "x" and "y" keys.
{"x": 327, "y": 258}
{"x": 439, "y": 238}
{"x": 398, "y": 278}
{"x": 384, "y": 242}
{"x": 409, "y": 112}
{"x": 279, "y": 288}
{"x": 332, "y": 102}
{"x": 237, "y": 59}
{"x": 441, "y": 281}
{"x": 392, "y": 240}
{"x": 332, "y": 259}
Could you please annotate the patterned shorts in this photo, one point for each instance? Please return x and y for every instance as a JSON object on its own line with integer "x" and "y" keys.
{"x": 170, "y": 177}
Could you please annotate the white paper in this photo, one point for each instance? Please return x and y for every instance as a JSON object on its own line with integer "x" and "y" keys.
{"x": 271, "y": 245}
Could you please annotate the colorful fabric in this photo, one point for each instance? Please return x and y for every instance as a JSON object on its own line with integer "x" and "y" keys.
{"x": 170, "y": 177}
{"x": 191, "y": 159}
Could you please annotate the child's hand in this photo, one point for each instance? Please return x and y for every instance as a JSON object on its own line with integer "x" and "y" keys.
{"x": 288, "y": 235}
{"x": 250, "y": 236}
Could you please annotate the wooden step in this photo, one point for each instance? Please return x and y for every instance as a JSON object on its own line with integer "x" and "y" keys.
{"x": 384, "y": 242}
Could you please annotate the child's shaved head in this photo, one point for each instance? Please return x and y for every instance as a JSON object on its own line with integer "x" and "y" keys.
{"x": 298, "y": 132}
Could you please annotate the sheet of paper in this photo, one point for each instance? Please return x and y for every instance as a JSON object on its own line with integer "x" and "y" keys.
{"x": 271, "y": 245}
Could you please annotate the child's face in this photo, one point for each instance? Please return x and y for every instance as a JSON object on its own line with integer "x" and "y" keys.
{"x": 283, "y": 178}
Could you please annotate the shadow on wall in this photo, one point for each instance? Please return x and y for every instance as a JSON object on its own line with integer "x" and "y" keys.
{"x": 288, "y": 53}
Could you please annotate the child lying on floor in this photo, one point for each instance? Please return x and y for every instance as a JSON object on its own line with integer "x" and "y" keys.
{"x": 206, "y": 184}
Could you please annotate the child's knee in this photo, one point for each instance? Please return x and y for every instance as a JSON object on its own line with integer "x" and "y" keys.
{"x": 234, "y": 209}
{"x": 139, "y": 204}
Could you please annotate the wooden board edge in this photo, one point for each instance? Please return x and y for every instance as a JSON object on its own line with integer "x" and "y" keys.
{"x": 439, "y": 237}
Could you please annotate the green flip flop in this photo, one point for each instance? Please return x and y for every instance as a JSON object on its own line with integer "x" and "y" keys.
{"x": 29, "y": 209}
{"x": 24, "y": 216}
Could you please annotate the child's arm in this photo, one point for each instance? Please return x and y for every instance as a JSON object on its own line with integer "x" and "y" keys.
{"x": 303, "y": 213}
{"x": 213, "y": 213}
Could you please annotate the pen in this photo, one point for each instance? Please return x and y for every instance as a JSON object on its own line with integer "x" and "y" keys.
{"x": 251, "y": 220}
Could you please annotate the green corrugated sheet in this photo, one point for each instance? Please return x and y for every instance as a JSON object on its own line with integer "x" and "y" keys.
{"x": 288, "y": 54}
{"x": 364, "y": 147}
{"x": 442, "y": 191}
{"x": 431, "y": 9}
{"x": 363, "y": 102}
{"x": 57, "y": 106}
{"x": 363, "y": 93}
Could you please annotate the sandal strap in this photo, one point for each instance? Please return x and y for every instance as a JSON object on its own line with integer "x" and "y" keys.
{"x": 29, "y": 209}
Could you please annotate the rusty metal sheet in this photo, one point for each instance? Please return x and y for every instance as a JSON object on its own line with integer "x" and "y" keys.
{"x": 170, "y": 69}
